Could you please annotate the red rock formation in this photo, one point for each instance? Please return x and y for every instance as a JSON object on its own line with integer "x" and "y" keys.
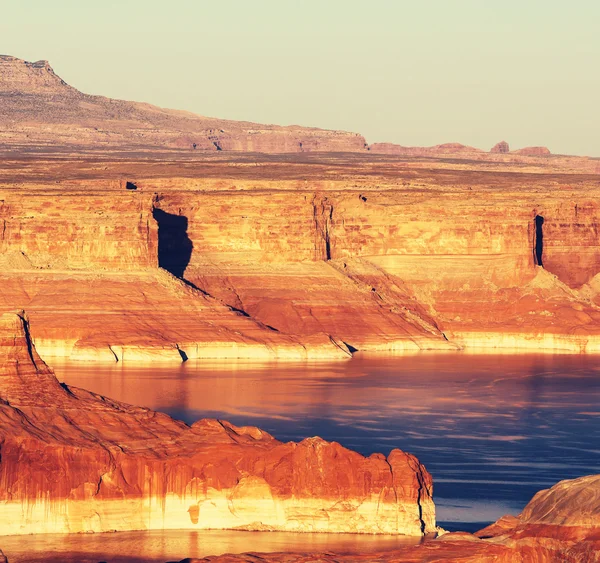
{"x": 500, "y": 148}
{"x": 73, "y": 461}
{"x": 41, "y": 109}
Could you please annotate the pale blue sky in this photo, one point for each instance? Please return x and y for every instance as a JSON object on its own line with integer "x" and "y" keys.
{"x": 417, "y": 72}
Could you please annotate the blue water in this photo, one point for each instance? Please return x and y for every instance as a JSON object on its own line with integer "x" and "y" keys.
{"x": 491, "y": 429}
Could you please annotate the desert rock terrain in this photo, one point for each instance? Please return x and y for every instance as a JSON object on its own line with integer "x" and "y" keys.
{"x": 73, "y": 461}
{"x": 274, "y": 257}
{"x": 149, "y": 249}
{"x": 135, "y": 233}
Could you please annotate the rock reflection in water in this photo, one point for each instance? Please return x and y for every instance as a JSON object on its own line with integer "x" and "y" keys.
{"x": 174, "y": 545}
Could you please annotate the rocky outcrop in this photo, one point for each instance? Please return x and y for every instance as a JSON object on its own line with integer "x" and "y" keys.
{"x": 500, "y": 148}
{"x": 39, "y": 108}
{"x": 73, "y": 461}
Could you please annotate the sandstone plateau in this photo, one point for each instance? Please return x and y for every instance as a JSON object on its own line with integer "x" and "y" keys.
{"x": 133, "y": 233}
{"x": 278, "y": 256}
{"x": 73, "y": 461}
{"x": 38, "y": 108}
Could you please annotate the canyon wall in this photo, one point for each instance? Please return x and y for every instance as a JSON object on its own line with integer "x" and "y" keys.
{"x": 264, "y": 269}
{"x": 72, "y": 461}
{"x": 77, "y": 231}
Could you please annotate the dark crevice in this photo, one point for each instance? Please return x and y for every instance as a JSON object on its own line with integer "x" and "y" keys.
{"x": 66, "y": 388}
{"x": 28, "y": 340}
{"x": 114, "y": 354}
{"x": 323, "y": 216}
{"x": 239, "y": 311}
{"x": 217, "y": 145}
{"x": 184, "y": 356}
{"x": 327, "y": 236}
{"x": 538, "y": 247}
{"x": 195, "y": 287}
{"x": 352, "y": 349}
{"x": 130, "y": 186}
{"x": 327, "y": 246}
{"x": 174, "y": 246}
{"x": 419, "y": 477}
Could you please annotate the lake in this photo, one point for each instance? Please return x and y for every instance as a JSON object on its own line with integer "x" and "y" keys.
{"x": 491, "y": 429}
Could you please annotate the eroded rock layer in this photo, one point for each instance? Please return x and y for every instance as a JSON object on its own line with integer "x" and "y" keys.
{"x": 73, "y": 461}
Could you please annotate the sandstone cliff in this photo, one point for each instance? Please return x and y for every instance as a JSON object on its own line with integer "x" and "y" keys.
{"x": 275, "y": 257}
{"x": 559, "y": 525}
{"x": 73, "y": 461}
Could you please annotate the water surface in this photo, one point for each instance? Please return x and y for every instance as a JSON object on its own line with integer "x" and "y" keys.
{"x": 491, "y": 429}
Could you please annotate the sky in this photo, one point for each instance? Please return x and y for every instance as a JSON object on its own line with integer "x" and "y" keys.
{"x": 419, "y": 72}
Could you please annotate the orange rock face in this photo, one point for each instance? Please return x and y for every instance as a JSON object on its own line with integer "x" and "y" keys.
{"x": 275, "y": 257}
{"x": 533, "y": 151}
{"x": 72, "y": 461}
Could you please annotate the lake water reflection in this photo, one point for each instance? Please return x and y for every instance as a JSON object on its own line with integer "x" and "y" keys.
{"x": 491, "y": 429}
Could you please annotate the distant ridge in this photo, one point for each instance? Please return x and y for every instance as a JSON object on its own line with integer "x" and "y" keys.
{"x": 37, "y": 107}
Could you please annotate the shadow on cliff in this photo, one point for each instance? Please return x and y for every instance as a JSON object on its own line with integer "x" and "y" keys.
{"x": 174, "y": 246}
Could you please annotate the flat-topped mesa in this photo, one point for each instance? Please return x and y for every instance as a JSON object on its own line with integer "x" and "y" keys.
{"x": 73, "y": 461}
{"x": 39, "y": 108}
{"x": 533, "y": 151}
{"x": 437, "y": 150}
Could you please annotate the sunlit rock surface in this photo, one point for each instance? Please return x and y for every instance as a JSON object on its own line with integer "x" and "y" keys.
{"x": 561, "y": 524}
{"x": 123, "y": 242}
{"x": 260, "y": 267}
{"x": 73, "y": 461}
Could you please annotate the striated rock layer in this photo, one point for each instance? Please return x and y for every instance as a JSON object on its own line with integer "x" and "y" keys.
{"x": 120, "y": 257}
{"x": 73, "y": 461}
